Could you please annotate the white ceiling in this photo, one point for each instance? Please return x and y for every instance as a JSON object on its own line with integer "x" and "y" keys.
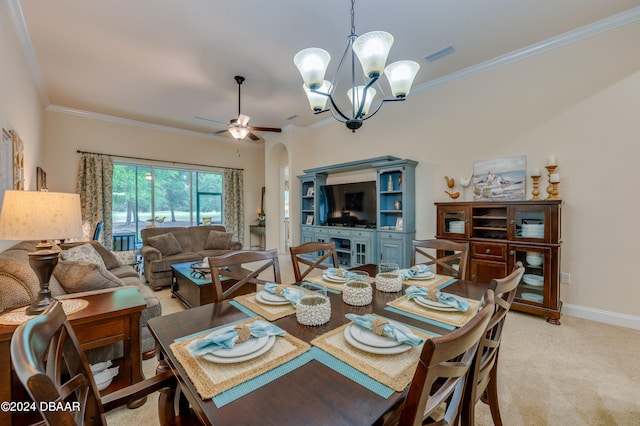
{"x": 166, "y": 61}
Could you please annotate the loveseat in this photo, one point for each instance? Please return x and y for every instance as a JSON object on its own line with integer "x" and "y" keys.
{"x": 165, "y": 246}
{"x": 19, "y": 284}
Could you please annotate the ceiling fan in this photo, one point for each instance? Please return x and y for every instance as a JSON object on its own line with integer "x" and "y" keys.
{"x": 239, "y": 127}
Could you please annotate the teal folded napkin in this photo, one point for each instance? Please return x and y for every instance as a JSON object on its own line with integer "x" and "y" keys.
{"x": 449, "y": 299}
{"x": 414, "y": 271}
{"x": 226, "y": 339}
{"x": 293, "y": 295}
{"x": 341, "y": 272}
{"x": 399, "y": 334}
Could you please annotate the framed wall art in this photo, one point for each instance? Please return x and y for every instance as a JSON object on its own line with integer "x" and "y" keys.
{"x": 18, "y": 161}
{"x": 6, "y": 163}
{"x": 500, "y": 179}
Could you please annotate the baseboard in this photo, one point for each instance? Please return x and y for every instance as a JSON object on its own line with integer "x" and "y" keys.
{"x": 613, "y": 318}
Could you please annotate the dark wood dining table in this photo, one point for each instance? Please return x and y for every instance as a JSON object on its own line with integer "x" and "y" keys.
{"x": 312, "y": 394}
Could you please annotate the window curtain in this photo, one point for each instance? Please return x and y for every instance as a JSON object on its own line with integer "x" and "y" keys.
{"x": 94, "y": 184}
{"x": 234, "y": 202}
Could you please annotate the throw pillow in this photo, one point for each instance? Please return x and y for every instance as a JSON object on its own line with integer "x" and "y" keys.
{"x": 83, "y": 253}
{"x": 166, "y": 243}
{"x": 76, "y": 276}
{"x": 218, "y": 240}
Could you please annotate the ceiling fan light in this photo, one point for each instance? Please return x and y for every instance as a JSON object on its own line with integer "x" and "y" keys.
{"x": 400, "y": 75}
{"x": 312, "y": 64}
{"x": 371, "y": 93}
{"x": 372, "y": 50}
{"x": 238, "y": 132}
{"x": 318, "y": 102}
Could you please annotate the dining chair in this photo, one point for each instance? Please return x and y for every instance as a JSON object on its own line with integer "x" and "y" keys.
{"x": 482, "y": 383}
{"x": 297, "y": 257}
{"x": 263, "y": 260}
{"x": 443, "y": 254}
{"x": 441, "y": 373}
{"x": 47, "y": 359}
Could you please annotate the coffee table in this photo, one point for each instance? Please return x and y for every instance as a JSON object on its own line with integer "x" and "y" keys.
{"x": 194, "y": 289}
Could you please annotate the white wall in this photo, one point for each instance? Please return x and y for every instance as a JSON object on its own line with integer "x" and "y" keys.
{"x": 21, "y": 108}
{"x": 579, "y": 102}
{"x": 66, "y": 133}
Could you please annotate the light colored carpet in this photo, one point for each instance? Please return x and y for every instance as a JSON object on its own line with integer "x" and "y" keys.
{"x": 579, "y": 373}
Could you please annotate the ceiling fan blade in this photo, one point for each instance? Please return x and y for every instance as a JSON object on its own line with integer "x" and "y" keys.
{"x": 253, "y": 137}
{"x": 265, "y": 129}
{"x": 219, "y": 132}
{"x": 243, "y": 120}
{"x": 211, "y": 121}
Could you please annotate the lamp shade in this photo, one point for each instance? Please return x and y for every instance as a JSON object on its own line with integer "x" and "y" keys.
{"x": 400, "y": 75}
{"x": 238, "y": 132}
{"x": 371, "y": 93}
{"x": 40, "y": 216}
{"x": 318, "y": 102}
{"x": 372, "y": 50}
{"x": 312, "y": 64}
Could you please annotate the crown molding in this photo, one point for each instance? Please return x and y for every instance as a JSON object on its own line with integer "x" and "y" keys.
{"x": 17, "y": 17}
{"x": 143, "y": 124}
{"x": 586, "y": 31}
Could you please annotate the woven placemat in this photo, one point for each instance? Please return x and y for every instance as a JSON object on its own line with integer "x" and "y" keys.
{"x": 394, "y": 370}
{"x": 18, "y": 316}
{"x": 269, "y": 312}
{"x": 211, "y": 379}
{"x": 455, "y": 318}
{"x": 434, "y": 282}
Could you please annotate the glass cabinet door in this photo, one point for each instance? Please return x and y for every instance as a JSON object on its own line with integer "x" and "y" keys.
{"x": 529, "y": 223}
{"x": 533, "y": 288}
{"x": 453, "y": 221}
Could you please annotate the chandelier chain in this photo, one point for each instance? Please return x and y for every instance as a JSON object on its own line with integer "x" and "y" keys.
{"x": 353, "y": 17}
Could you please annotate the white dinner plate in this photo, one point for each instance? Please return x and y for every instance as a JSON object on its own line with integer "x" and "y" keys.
{"x": 370, "y": 338}
{"x": 423, "y": 276}
{"x": 432, "y": 304}
{"x": 244, "y": 348}
{"x": 533, "y": 280}
{"x": 271, "y": 340}
{"x": 334, "y": 278}
{"x": 260, "y": 298}
{"x": 372, "y": 349}
{"x": 272, "y": 297}
{"x": 532, "y": 297}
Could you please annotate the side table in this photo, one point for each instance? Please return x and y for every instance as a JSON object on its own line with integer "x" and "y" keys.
{"x": 110, "y": 317}
{"x": 260, "y": 231}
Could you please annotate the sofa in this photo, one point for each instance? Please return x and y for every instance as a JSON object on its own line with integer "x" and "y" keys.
{"x": 166, "y": 246}
{"x": 19, "y": 285}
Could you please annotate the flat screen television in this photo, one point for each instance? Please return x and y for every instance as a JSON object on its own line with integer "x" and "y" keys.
{"x": 348, "y": 204}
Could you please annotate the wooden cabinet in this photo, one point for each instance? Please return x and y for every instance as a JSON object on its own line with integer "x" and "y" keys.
{"x": 503, "y": 233}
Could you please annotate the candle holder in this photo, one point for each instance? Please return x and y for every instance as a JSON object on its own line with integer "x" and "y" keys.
{"x": 550, "y": 187}
{"x": 536, "y": 191}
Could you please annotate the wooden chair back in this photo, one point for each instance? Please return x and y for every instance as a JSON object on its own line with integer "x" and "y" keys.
{"x": 441, "y": 373}
{"x": 483, "y": 375}
{"x": 268, "y": 259}
{"x": 47, "y": 359}
{"x": 442, "y": 254}
{"x": 297, "y": 257}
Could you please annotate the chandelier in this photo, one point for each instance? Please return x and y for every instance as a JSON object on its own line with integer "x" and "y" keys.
{"x": 372, "y": 50}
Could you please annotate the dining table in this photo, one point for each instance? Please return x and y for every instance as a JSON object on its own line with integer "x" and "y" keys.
{"x": 317, "y": 386}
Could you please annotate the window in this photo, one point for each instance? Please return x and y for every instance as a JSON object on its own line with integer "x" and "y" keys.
{"x": 146, "y": 195}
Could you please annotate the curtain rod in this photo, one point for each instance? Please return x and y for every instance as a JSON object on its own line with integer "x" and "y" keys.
{"x": 159, "y": 161}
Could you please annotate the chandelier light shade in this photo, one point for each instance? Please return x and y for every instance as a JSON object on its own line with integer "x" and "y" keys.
{"x": 317, "y": 101}
{"x": 372, "y": 50}
{"x": 400, "y": 75}
{"x": 238, "y": 132}
{"x": 41, "y": 216}
{"x": 312, "y": 64}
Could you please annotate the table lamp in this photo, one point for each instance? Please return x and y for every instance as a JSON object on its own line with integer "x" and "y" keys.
{"x": 40, "y": 216}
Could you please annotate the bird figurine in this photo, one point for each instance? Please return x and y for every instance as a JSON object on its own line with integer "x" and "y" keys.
{"x": 465, "y": 182}
{"x": 450, "y": 181}
{"x": 452, "y": 195}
